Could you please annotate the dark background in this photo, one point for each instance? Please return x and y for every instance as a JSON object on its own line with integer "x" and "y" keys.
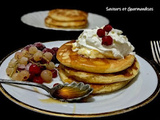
{"x": 140, "y": 27}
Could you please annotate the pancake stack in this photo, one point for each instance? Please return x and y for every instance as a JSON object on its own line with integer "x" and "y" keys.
{"x": 66, "y": 18}
{"x": 104, "y": 75}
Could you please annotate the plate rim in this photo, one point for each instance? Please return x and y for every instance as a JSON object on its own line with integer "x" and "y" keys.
{"x": 58, "y": 29}
{"x": 104, "y": 114}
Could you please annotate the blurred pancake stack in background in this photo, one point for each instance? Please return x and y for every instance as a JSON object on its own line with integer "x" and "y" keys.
{"x": 66, "y": 18}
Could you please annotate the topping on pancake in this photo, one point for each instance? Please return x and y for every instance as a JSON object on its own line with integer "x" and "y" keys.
{"x": 108, "y": 43}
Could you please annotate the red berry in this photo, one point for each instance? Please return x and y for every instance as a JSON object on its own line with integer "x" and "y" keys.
{"x": 107, "y": 40}
{"x": 49, "y": 50}
{"x": 101, "y": 32}
{"x": 34, "y": 69}
{"x": 31, "y": 76}
{"x": 55, "y": 49}
{"x": 39, "y": 45}
{"x": 107, "y": 28}
{"x": 55, "y": 84}
{"x": 54, "y": 73}
{"x": 38, "y": 79}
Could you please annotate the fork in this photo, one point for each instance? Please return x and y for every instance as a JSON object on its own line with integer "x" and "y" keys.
{"x": 155, "y": 47}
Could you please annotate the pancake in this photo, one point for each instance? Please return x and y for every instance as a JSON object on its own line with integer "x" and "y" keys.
{"x": 97, "y": 78}
{"x": 97, "y": 88}
{"x": 49, "y": 22}
{"x": 68, "y": 15}
{"x": 71, "y": 59}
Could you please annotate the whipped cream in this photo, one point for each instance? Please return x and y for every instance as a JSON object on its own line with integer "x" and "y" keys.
{"x": 89, "y": 41}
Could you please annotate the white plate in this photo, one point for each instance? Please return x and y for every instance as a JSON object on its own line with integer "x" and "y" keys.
{"x": 36, "y": 19}
{"x": 139, "y": 92}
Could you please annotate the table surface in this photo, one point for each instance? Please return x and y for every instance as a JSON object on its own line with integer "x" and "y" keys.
{"x": 139, "y": 26}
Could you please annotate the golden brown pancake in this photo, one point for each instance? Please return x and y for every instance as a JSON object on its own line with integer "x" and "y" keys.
{"x": 97, "y": 88}
{"x": 71, "y": 59}
{"x": 49, "y": 22}
{"x": 103, "y": 78}
{"x": 68, "y": 15}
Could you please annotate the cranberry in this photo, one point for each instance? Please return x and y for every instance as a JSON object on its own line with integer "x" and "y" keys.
{"x": 49, "y": 50}
{"x": 38, "y": 79}
{"x": 39, "y": 45}
{"x": 54, "y": 73}
{"x": 34, "y": 69}
{"x": 43, "y": 61}
{"x": 31, "y": 76}
{"x": 107, "y": 40}
{"x": 101, "y": 32}
{"x": 55, "y": 49}
{"x": 107, "y": 28}
{"x": 55, "y": 84}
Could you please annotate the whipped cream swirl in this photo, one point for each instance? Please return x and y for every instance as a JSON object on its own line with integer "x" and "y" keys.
{"x": 89, "y": 40}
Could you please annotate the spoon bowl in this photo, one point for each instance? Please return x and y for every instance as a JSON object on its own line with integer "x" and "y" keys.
{"x": 63, "y": 92}
{"x": 71, "y": 92}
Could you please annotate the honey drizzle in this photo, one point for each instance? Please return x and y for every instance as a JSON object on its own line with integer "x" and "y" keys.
{"x": 51, "y": 100}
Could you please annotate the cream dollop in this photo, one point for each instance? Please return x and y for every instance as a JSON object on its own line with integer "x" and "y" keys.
{"x": 89, "y": 40}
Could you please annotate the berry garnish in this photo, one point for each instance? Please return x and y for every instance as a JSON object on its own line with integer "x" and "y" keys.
{"x": 35, "y": 63}
{"x": 55, "y": 84}
{"x": 107, "y": 28}
{"x": 54, "y": 73}
{"x": 38, "y": 79}
{"x": 49, "y": 50}
{"x": 55, "y": 49}
{"x": 101, "y": 32}
{"x": 34, "y": 69}
{"x": 39, "y": 45}
{"x": 107, "y": 40}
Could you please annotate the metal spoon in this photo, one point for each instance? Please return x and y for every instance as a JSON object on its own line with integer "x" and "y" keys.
{"x": 63, "y": 92}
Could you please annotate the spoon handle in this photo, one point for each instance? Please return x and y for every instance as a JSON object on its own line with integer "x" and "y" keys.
{"x": 24, "y": 83}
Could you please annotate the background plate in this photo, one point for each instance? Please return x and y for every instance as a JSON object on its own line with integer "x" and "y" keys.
{"x": 139, "y": 92}
{"x": 36, "y": 19}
